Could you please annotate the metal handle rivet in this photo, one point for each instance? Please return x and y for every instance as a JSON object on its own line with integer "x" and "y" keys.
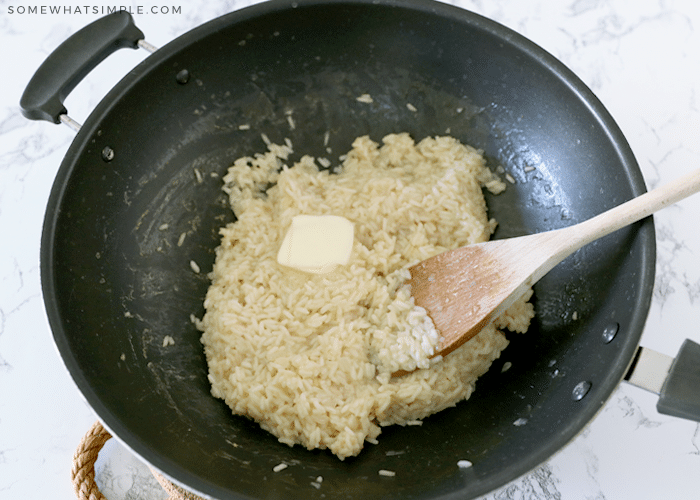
{"x": 581, "y": 390}
{"x": 107, "y": 154}
{"x": 609, "y": 332}
{"x": 182, "y": 77}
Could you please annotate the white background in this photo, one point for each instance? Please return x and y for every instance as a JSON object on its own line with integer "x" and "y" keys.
{"x": 640, "y": 57}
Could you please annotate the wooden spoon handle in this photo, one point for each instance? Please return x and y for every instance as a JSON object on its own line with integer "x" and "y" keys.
{"x": 552, "y": 247}
{"x": 635, "y": 209}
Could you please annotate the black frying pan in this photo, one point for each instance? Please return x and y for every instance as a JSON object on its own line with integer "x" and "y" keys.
{"x": 116, "y": 282}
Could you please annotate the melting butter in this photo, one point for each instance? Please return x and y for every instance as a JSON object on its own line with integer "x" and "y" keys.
{"x": 317, "y": 243}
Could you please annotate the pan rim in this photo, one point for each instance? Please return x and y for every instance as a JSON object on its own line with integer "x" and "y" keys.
{"x": 204, "y": 488}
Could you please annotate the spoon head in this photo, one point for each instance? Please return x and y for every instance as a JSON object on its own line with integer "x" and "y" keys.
{"x": 465, "y": 289}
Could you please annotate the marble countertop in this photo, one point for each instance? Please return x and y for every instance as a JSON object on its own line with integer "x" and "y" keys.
{"x": 641, "y": 58}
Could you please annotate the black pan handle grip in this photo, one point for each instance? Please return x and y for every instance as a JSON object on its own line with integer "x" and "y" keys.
{"x": 680, "y": 394}
{"x": 72, "y": 61}
{"x": 675, "y": 380}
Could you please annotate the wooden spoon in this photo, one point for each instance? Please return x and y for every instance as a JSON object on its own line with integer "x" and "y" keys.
{"x": 466, "y": 288}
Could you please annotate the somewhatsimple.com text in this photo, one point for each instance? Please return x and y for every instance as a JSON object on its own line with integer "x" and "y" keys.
{"x": 91, "y": 9}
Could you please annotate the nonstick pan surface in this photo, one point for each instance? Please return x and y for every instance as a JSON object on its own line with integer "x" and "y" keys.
{"x": 117, "y": 274}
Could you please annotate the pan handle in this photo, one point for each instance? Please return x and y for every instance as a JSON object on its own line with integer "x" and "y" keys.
{"x": 676, "y": 381}
{"x": 73, "y": 60}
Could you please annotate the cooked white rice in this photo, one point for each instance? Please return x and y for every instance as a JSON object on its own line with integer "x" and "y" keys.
{"x": 310, "y": 357}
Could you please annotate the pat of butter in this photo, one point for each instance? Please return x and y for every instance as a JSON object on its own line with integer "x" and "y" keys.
{"x": 317, "y": 243}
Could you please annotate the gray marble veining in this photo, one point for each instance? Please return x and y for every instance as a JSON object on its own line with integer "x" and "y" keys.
{"x": 639, "y": 57}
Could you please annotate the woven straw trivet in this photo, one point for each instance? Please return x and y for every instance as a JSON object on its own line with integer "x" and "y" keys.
{"x": 83, "y": 470}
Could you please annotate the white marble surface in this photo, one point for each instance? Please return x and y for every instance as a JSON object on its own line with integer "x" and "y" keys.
{"x": 641, "y": 58}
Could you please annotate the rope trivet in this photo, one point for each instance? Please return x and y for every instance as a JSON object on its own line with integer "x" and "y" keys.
{"x": 175, "y": 492}
{"x": 83, "y": 469}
